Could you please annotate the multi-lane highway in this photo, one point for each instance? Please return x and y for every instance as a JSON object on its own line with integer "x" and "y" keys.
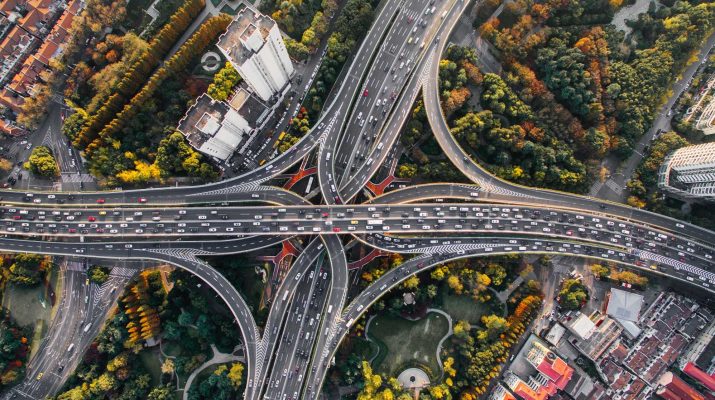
{"x": 82, "y": 309}
{"x": 289, "y": 356}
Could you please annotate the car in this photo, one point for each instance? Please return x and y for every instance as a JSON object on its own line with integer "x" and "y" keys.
{"x": 365, "y": 93}
{"x": 142, "y": 200}
{"x": 36, "y": 201}
{"x": 91, "y": 219}
{"x": 100, "y": 201}
{"x": 39, "y": 376}
{"x": 336, "y": 229}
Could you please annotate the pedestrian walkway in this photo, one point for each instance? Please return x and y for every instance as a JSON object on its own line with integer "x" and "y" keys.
{"x": 73, "y": 177}
{"x": 218, "y": 358}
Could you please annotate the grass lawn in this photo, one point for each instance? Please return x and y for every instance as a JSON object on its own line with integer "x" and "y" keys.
{"x": 171, "y": 349}
{"x": 464, "y": 308}
{"x": 150, "y": 359}
{"x": 30, "y": 306}
{"x": 406, "y": 341}
{"x": 27, "y": 304}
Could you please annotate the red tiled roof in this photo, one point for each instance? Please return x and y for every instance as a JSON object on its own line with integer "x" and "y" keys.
{"x": 13, "y": 38}
{"x": 11, "y": 101}
{"x": 557, "y": 370}
{"x": 65, "y": 21}
{"x": 699, "y": 375}
{"x": 46, "y": 51}
{"x": 674, "y": 388}
{"x": 38, "y": 4}
{"x": 7, "y": 5}
{"x": 73, "y": 6}
{"x": 27, "y": 76}
{"x": 11, "y": 129}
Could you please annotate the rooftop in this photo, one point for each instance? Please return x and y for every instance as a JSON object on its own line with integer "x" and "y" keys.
{"x": 203, "y": 120}
{"x": 624, "y": 305}
{"x": 249, "y": 106}
{"x": 245, "y": 35}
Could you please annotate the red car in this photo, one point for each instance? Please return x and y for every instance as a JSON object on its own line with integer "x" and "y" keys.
{"x": 336, "y": 229}
{"x": 100, "y": 201}
{"x": 17, "y": 217}
{"x": 91, "y": 219}
{"x": 325, "y": 215}
{"x": 142, "y": 200}
{"x": 364, "y": 93}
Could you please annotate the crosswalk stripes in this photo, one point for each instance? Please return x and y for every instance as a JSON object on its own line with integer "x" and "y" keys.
{"x": 242, "y": 188}
{"x": 47, "y": 140}
{"x": 614, "y": 186}
{"x": 595, "y": 189}
{"x": 678, "y": 265}
{"x": 76, "y": 178}
{"x": 122, "y": 271}
{"x": 450, "y": 248}
{"x": 183, "y": 253}
{"x": 74, "y": 266}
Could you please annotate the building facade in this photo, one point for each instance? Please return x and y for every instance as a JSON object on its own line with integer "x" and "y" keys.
{"x": 254, "y": 46}
{"x": 689, "y": 172}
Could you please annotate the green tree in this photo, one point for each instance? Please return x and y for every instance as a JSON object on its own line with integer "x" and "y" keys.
{"x": 573, "y": 294}
{"x": 98, "y": 274}
{"x": 161, "y": 393}
{"x": 42, "y": 162}
{"x": 223, "y": 82}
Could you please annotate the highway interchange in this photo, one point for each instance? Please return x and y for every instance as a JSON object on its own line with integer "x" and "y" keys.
{"x": 288, "y": 358}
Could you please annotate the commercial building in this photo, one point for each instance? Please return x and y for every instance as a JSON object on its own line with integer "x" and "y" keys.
{"x": 254, "y": 46}
{"x": 705, "y": 379}
{"x": 501, "y": 393}
{"x": 689, "y": 172}
{"x": 537, "y": 373}
{"x": 625, "y": 308}
{"x": 672, "y": 387}
{"x": 593, "y": 335}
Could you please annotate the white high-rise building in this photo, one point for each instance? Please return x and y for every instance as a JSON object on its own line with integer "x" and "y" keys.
{"x": 254, "y": 46}
{"x": 689, "y": 172}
